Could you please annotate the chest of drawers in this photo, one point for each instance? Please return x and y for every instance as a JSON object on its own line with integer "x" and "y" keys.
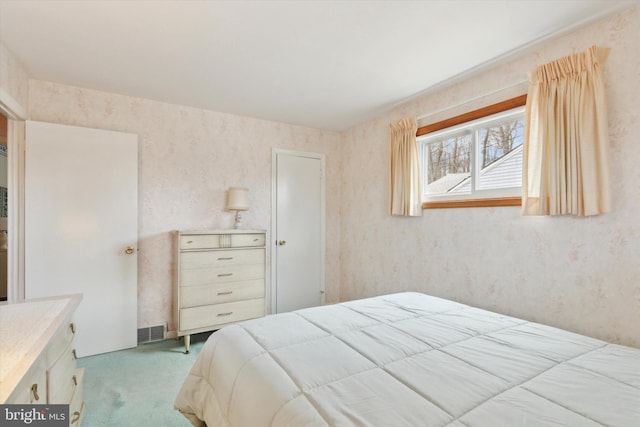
{"x": 37, "y": 358}
{"x": 219, "y": 279}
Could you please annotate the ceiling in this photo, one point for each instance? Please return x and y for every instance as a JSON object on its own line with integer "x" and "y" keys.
{"x": 322, "y": 64}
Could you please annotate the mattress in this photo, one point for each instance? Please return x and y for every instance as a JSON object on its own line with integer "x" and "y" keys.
{"x": 408, "y": 359}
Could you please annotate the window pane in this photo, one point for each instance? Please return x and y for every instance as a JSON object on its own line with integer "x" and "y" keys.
{"x": 500, "y": 155}
{"x": 448, "y": 164}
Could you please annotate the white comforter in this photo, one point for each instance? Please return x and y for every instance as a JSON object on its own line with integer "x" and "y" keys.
{"x": 408, "y": 360}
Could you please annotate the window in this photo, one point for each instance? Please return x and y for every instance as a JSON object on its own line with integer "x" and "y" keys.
{"x": 475, "y": 159}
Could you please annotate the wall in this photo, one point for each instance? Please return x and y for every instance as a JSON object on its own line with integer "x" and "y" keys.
{"x": 580, "y": 274}
{"x": 188, "y": 158}
{"x": 13, "y": 79}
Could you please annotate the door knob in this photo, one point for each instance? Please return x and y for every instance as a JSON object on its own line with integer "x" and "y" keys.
{"x": 128, "y": 250}
{"x": 282, "y": 242}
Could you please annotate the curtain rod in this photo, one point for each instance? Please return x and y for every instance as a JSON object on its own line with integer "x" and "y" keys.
{"x": 466, "y": 101}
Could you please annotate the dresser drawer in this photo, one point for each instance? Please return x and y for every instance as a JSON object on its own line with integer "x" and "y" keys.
{"x": 194, "y": 296}
{"x": 219, "y": 314}
{"x": 212, "y": 275}
{"x": 200, "y": 241}
{"x": 213, "y": 241}
{"x": 60, "y": 378}
{"x": 76, "y": 406}
{"x": 60, "y": 342}
{"x": 221, "y": 258}
{"x": 246, "y": 240}
{"x": 32, "y": 389}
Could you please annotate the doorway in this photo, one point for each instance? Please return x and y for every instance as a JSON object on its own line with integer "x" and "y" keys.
{"x": 13, "y": 114}
{"x": 4, "y": 208}
{"x": 298, "y": 230}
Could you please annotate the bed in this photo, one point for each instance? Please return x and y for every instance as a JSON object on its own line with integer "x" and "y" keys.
{"x": 408, "y": 359}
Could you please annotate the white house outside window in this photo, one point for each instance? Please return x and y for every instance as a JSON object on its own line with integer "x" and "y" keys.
{"x": 480, "y": 159}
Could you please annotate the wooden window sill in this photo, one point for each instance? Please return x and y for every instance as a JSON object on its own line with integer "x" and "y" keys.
{"x": 473, "y": 203}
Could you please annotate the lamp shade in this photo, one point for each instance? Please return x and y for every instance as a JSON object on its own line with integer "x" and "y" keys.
{"x": 238, "y": 199}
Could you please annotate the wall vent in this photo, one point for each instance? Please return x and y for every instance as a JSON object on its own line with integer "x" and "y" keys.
{"x": 151, "y": 333}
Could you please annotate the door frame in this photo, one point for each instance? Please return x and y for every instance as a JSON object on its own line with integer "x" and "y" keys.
{"x": 274, "y": 221}
{"x": 16, "y": 115}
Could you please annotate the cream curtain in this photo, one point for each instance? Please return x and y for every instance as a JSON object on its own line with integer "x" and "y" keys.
{"x": 405, "y": 169}
{"x": 566, "y": 157}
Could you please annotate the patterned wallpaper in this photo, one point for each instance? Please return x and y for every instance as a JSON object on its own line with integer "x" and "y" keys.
{"x": 13, "y": 78}
{"x": 575, "y": 273}
{"x": 188, "y": 158}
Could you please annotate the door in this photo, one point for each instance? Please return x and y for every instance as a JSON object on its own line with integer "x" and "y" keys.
{"x": 81, "y": 228}
{"x": 298, "y": 273}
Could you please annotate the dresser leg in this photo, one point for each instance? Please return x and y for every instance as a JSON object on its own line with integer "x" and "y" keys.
{"x": 187, "y": 343}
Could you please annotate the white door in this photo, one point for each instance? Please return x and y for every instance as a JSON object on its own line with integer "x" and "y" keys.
{"x": 298, "y": 279}
{"x": 81, "y": 228}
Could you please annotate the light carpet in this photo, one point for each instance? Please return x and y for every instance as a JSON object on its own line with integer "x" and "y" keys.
{"x": 137, "y": 387}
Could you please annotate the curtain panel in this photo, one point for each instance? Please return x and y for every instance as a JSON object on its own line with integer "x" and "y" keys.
{"x": 566, "y": 148}
{"x": 405, "y": 169}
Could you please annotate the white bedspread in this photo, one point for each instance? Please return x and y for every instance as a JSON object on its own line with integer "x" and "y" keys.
{"x": 408, "y": 359}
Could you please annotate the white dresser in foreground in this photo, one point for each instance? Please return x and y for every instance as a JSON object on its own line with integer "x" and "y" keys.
{"x": 37, "y": 358}
{"x": 219, "y": 279}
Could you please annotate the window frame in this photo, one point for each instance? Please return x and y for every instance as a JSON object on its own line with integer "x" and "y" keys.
{"x": 481, "y": 113}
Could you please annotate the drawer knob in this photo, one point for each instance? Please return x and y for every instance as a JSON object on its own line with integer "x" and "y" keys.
{"x": 229, "y": 313}
{"x": 72, "y": 326}
{"x": 226, "y": 258}
{"x": 225, "y": 274}
{"x": 73, "y": 353}
{"x": 225, "y": 293}
{"x": 76, "y": 417}
{"x": 34, "y": 390}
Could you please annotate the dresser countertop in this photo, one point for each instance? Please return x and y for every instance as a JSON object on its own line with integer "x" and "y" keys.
{"x": 222, "y": 231}
{"x": 26, "y": 328}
